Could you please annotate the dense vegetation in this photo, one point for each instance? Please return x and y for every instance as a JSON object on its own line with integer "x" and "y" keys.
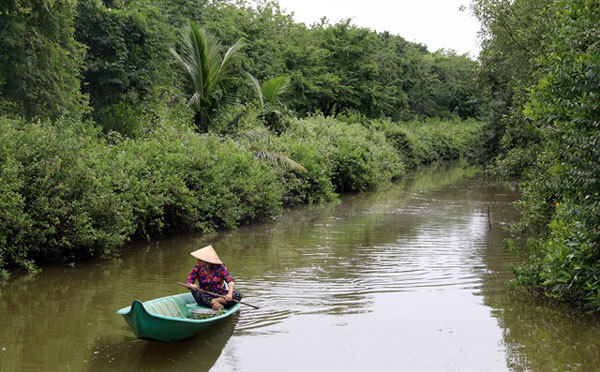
{"x": 130, "y": 119}
{"x": 541, "y": 64}
{"x": 69, "y": 192}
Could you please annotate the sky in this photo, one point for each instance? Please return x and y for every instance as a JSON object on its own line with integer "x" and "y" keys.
{"x": 435, "y": 23}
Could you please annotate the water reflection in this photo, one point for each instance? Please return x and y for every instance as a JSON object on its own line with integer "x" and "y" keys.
{"x": 133, "y": 354}
{"x": 331, "y": 259}
{"x": 540, "y": 335}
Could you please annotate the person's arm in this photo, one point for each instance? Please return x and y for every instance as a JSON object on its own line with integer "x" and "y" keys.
{"x": 229, "y": 295}
{"x": 192, "y": 278}
{"x": 230, "y": 284}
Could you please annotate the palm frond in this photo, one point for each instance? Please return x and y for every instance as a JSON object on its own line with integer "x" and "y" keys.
{"x": 181, "y": 62}
{"x": 257, "y": 88}
{"x": 195, "y": 47}
{"x": 275, "y": 87}
{"x": 229, "y": 99}
{"x": 226, "y": 63}
{"x": 194, "y": 101}
{"x": 280, "y": 160}
{"x": 253, "y": 135}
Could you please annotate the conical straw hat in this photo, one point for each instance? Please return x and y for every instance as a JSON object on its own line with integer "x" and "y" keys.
{"x": 207, "y": 254}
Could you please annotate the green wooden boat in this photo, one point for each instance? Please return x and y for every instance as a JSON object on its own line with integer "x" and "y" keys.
{"x": 170, "y": 318}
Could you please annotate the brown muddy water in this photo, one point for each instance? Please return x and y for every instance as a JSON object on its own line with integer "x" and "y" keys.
{"x": 408, "y": 278}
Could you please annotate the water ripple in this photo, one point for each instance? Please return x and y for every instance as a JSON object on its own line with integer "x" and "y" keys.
{"x": 339, "y": 277}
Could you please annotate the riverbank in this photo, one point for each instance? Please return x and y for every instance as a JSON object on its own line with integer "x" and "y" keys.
{"x": 68, "y": 191}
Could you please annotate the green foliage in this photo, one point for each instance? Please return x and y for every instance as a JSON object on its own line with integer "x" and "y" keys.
{"x": 359, "y": 159}
{"x": 304, "y": 180}
{"x": 14, "y": 222}
{"x": 71, "y": 188}
{"x": 313, "y": 186}
{"x": 257, "y": 88}
{"x": 127, "y": 69}
{"x": 347, "y": 66}
{"x": 515, "y": 35}
{"x": 41, "y": 61}
{"x": 66, "y": 193}
{"x": 126, "y": 60}
{"x": 61, "y": 208}
{"x": 276, "y": 120}
{"x": 342, "y": 67}
{"x": 205, "y": 70}
{"x": 269, "y": 92}
{"x": 274, "y": 88}
{"x": 561, "y": 194}
{"x": 423, "y": 142}
{"x": 446, "y": 86}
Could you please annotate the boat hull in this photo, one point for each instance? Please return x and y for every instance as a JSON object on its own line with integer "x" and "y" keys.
{"x": 169, "y": 319}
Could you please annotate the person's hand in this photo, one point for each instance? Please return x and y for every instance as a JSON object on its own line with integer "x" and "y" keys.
{"x": 228, "y": 297}
{"x": 193, "y": 287}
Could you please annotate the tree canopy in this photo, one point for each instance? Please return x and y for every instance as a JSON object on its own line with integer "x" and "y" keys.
{"x": 117, "y": 54}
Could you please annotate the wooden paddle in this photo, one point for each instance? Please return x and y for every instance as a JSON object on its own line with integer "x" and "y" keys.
{"x": 218, "y": 295}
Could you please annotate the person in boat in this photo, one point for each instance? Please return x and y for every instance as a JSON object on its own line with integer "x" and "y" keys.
{"x": 212, "y": 276}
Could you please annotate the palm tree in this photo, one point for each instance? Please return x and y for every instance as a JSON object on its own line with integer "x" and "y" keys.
{"x": 270, "y": 90}
{"x": 201, "y": 63}
{"x": 268, "y": 96}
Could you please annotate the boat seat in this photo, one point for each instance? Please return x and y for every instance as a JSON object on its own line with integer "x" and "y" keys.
{"x": 168, "y": 307}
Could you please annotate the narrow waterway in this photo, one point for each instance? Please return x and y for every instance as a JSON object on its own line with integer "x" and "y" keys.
{"x": 411, "y": 277}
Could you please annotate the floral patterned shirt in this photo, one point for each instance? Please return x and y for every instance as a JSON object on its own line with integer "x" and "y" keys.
{"x": 213, "y": 282}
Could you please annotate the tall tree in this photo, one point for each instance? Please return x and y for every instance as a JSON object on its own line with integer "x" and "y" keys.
{"x": 126, "y": 60}
{"x": 515, "y": 34}
{"x": 41, "y": 61}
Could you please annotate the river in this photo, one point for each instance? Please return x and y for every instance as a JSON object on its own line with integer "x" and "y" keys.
{"x": 412, "y": 277}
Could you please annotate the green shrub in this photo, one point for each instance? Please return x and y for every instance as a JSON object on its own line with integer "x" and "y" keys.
{"x": 122, "y": 118}
{"x": 175, "y": 179}
{"x": 232, "y": 185}
{"x": 67, "y": 192}
{"x": 58, "y": 206}
{"x": 314, "y": 186}
{"x": 359, "y": 159}
{"x": 423, "y": 142}
{"x": 14, "y": 222}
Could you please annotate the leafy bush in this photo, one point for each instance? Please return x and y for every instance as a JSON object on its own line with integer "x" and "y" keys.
{"x": 58, "y": 206}
{"x": 303, "y": 170}
{"x": 359, "y": 159}
{"x": 423, "y": 142}
{"x": 314, "y": 186}
{"x": 66, "y": 192}
{"x": 176, "y": 179}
